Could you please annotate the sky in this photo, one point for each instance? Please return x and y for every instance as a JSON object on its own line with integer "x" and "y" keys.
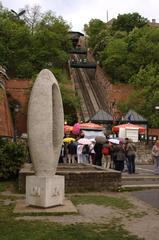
{"x": 80, "y": 12}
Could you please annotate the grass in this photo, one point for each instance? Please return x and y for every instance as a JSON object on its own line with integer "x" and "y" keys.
{"x": 11, "y": 229}
{"x": 118, "y": 202}
{"x": 51, "y": 231}
{"x": 137, "y": 214}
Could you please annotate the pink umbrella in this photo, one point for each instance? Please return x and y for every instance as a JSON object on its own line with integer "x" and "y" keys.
{"x": 76, "y": 128}
{"x": 84, "y": 141}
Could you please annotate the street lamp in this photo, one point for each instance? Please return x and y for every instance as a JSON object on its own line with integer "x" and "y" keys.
{"x": 15, "y": 111}
{"x": 18, "y": 14}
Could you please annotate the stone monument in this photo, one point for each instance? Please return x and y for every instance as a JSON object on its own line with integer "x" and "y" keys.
{"x": 45, "y": 136}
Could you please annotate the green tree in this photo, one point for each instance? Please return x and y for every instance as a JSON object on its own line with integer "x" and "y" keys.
{"x": 92, "y": 29}
{"x": 115, "y": 55}
{"x": 51, "y": 42}
{"x": 127, "y": 22}
{"x": 146, "y": 94}
{"x": 102, "y": 40}
{"x": 15, "y": 43}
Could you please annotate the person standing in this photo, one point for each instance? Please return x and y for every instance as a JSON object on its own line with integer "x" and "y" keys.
{"x": 79, "y": 153}
{"x": 98, "y": 153}
{"x": 72, "y": 151}
{"x": 85, "y": 153}
{"x": 155, "y": 155}
{"x": 131, "y": 154}
{"x": 120, "y": 157}
{"x": 106, "y": 158}
{"x": 92, "y": 153}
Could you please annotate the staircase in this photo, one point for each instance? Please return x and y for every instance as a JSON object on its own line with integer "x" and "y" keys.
{"x": 144, "y": 178}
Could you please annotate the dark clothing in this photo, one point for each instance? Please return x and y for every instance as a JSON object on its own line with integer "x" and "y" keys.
{"x": 131, "y": 163}
{"x": 98, "y": 153}
{"x": 130, "y": 153}
{"x": 120, "y": 158}
{"x": 85, "y": 149}
{"x": 119, "y": 165}
{"x": 72, "y": 148}
{"x": 62, "y": 154}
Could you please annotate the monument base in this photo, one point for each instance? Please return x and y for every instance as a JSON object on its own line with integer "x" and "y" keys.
{"x": 44, "y": 191}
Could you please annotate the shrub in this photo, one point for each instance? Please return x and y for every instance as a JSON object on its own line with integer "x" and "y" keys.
{"x": 12, "y": 156}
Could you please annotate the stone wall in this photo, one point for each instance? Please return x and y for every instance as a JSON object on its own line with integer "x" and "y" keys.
{"x": 79, "y": 178}
{"x": 143, "y": 153}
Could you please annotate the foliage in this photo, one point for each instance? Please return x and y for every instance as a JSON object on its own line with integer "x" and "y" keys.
{"x": 115, "y": 55}
{"x": 12, "y": 156}
{"x": 51, "y": 50}
{"x": 127, "y": 22}
{"x": 128, "y": 50}
{"x": 146, "y": 96}
{"x": 34, "y": 42}
{"x": 93, "y": 29}
{"x": 102, "y": 41}
{"x": 15, "y": 42}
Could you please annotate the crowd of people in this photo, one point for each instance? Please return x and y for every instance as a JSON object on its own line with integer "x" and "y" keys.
{"x": 119, "y": 156}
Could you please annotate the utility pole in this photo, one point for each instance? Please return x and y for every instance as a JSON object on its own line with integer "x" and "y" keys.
{"x": 107, "y": 15}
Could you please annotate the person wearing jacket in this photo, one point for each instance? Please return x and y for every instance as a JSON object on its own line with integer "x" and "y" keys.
{"x": 119, "y": 153}
{"x": 72, "y": 152}
{"x": 155, "y": 155}
{"x": 130, "y": 154}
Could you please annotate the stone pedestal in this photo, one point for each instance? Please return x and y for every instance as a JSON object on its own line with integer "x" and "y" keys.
{"x": 44, "y": 191}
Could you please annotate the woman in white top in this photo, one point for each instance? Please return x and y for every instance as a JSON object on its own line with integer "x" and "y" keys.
{"x": 79, "y": 153}
{"x": 155, "y": 154}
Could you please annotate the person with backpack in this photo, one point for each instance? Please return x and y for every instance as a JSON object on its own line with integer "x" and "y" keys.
{"x": 85, "y": 153}
{"x": 106, "y": 157}
{"x": 131, "y": 154}
{"x": 119, "y": 156}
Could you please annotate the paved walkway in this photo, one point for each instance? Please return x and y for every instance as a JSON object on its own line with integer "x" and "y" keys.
{"x": 150, "y": 196}
{"x": 144, "y": 177}
{"x": 142, "y": 170}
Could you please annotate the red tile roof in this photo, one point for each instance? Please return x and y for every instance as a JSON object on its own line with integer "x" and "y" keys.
{"x": 6, "y": 125}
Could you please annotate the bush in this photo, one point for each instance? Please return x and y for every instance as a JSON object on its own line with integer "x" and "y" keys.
{"x": 12, "y": 156}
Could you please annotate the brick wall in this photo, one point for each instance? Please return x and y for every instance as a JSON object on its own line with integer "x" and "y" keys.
{"x": 6, "y": 125}
{"x": 19, "y": 90}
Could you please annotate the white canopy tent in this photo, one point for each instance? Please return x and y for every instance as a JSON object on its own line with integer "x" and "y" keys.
{"x": 92, "y": 134}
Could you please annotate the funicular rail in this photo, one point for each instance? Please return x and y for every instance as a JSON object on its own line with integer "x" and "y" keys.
{"x": 89, "y": 90}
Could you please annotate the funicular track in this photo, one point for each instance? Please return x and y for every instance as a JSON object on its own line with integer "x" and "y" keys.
{"x": 89, "y": 91}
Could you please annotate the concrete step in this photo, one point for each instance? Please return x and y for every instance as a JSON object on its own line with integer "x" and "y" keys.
{"x": 139, "y": 186}
{"x": 139, "y": 180}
